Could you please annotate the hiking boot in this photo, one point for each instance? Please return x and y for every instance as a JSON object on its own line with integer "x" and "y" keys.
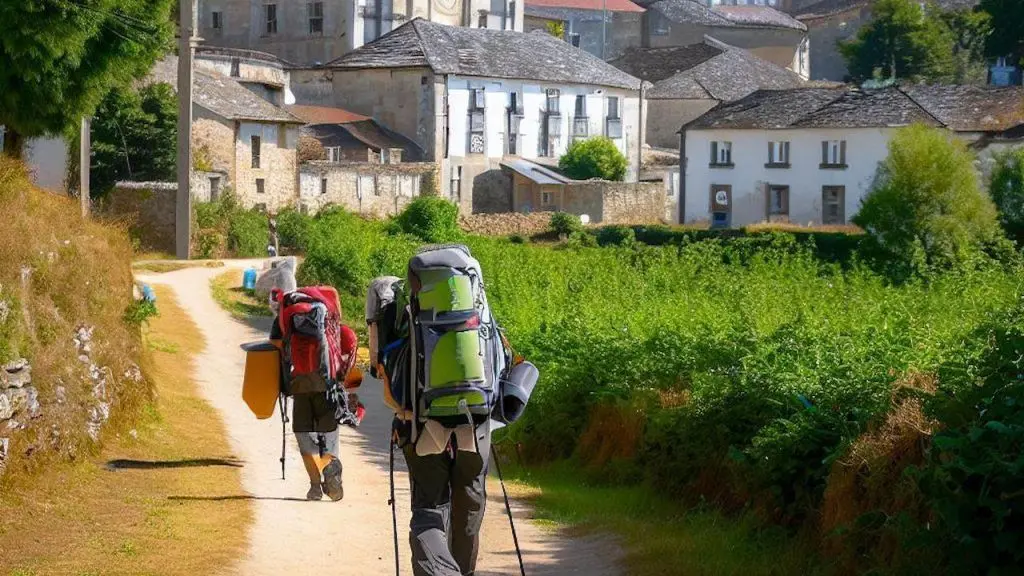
{"x": 332, "y": 480}
{"x": 315, "y": 493}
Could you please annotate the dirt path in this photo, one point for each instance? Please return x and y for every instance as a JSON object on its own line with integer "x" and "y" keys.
{"x": 292, "y": 536}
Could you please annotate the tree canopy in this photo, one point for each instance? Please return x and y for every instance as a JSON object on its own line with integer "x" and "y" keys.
{"x": 59, "y": 58}
{"x": 1007, "y": 37}
{"x": 596, "y": 157}
{"x": 902, "y": 40}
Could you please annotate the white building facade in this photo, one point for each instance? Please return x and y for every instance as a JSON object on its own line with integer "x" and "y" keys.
{"x": 801, "y": 176}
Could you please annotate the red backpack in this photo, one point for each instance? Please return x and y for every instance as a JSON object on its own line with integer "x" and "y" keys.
{"x": 319, "y": 350}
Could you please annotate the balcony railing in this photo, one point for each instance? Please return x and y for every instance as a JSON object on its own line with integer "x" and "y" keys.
{"x": 613, "y": 127}
{"x": 580, "y": 127}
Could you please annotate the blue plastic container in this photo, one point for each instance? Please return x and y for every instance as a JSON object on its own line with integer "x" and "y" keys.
{"x": 249, "y": 279}
{"x": 147, "y": 293}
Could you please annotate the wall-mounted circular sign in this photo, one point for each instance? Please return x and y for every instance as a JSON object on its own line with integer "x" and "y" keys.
{"x": 722, "y": 197}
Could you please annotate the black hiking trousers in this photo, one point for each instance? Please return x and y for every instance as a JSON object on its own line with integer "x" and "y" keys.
{"x": 448, "y": 497}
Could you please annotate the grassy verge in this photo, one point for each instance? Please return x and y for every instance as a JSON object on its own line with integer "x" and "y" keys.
{"x": 162, "y": 267}
{"x": 130, "y": 510}
{"x": 660, "y": 537}
{"x": 241, "y": 304}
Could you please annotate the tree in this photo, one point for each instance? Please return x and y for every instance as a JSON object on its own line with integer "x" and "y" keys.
{"x": 903, "y": 40}
{"x": 59, "y": 58}
{"x": 1007, "y": 191}
{"x": 134, "y": 137}
{"x": 926, "y": 205}
{"x": 1007, "y": 38}
{"x": 556, "y": 28}
{"x": 970, "y": 31}
{"x": 596, "y": 157}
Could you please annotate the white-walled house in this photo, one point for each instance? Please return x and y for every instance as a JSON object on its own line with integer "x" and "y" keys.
{"x": 473, "y": 97}
{"x": 808, "y": 156}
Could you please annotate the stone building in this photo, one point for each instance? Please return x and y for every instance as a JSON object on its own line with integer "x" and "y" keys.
{"x": 690, "y": 80}
{"x": 755, "y": 26}
{"x": 310, "y": 33}
{"x": 350, "y": 137}
{"x": 469, "y": 98}
{"x": 370, "y": 188}
{"x": 239, "y": 134}
{"x": 604, "y": 28}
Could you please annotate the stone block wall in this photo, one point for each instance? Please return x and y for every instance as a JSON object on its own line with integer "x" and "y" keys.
{"x": 633, "y": 203}
{"x": 148, "y": 208}
{"x": 366, "y": 188}
{"x": 277, "y": 168}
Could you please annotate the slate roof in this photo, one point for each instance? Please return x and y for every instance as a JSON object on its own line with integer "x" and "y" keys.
{"x": 958, "y": 108}
{"x": 486, "y": 53}
{"x": 826, "y": 8}
{"x": 366, "y": 133}
{"x": 695, "y": 12}
{"x": 221, "y": 95}
{"x": 610, "y": 5}
{"x": 709, "y": 70}
{"x": 323, "y": 114}
{"x": 972, "y": 108}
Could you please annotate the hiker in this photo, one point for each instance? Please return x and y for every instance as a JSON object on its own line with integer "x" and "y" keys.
{"x": 272, "y": 242}
{"x": 319, "y": 401}
{"x": 447, "y": 370}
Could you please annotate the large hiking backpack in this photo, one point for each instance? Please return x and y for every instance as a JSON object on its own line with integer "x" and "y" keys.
{"x": 318, "y": 351}
{"x": 456, "y": 350}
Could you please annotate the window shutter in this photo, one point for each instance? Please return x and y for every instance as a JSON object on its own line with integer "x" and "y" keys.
{"x": 842, "y": 152}
{"x": 714, "y": 152}
{"x": 785, "y": 153}
{"x": 824, "y": 152}
{"x": 771, "y": 156}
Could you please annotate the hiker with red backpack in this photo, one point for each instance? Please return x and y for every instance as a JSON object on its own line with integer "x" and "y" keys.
{"x": 448, "y": 374}
{"x": 318, "y": 370}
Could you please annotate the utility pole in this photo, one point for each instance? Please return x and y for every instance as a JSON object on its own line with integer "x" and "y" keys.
{"x": 186, "y": 49}
{"x": 84, "y": 159}
{"x": 604, "y": 26}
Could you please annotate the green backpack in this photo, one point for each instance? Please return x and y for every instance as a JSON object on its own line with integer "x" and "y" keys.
{"x": 457, "y": 350}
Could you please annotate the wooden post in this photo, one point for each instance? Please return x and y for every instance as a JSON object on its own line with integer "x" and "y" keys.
{"x": 84, "y": 161}
{"x": 183, "y": 208}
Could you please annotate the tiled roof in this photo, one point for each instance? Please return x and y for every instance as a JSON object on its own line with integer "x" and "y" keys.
{"x": 709, "y": 70}
{"x": 972, "y": 108}
{"x": 221, "y": 95}
{"x": 695, "y": 12}
{"x": 610, "y": 5}
{"x": 958, "y": 108}
{"x": 485, "y": 53}
{"x": 366, "y": 133}
{"x": 323, "y": 114}
{"x": 826, "y": 8}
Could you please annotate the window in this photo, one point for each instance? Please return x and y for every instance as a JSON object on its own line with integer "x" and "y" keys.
{"x": 778, "y": 155}
{"x": 551, "y": 125}
{"x": 214, "y": 188}
{"x": 833, "y": 154}
{"x": 579, "y": 119}
{"x": 552, "y": 101}
{"x": 270, "y": 18}
{"x": 316, "y": 18}
{"x": 217, "y": 20}
{"x": 574, "y": 39}
{"x": 513, "y": 118}
{"x": 323, "y": 186}
{"x": 260, "y": 186}
{"x": 833, "y": 204}
{"x": 721, "y": 206}
{"x": 261, "y": 207}
{"x": 456, "y": 187}
{"x": 778, "y": 201}
{"x": 613, "y": 123}
{"x": 721, "y": 154}
{"x": 254, "y": 143}
{"x": 546, "y": 199}
{"x": 476, "y": 121}
{"x": 334, "y": 154}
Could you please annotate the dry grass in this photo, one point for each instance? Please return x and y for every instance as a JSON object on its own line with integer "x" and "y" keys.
{"x": 163, "y": 267}
{"x": 91, "y": 519}
{"x": 241, "y": 304}
{"x": 871, "y": 479}
{"x": 58, "y": 271}
{"x": 613, "y": 432}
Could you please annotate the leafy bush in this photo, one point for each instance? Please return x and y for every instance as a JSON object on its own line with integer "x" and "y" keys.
{"x": 293, "y": 228}
{"x": 248, "y": 232}
{"x": 616, "y": 236}
{"x": 564, "y": 223}
{"x": 926, "y": 208}
{"x": 1007, "y": 191}
{"x": 596, "y": 157}
{"x": 430, "y": 219}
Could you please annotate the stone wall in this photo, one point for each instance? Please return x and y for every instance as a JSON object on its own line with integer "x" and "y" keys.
{"x": 277, "y": 168}
{"x": 492, "y": 192}
{"x": 666, "y": 117}
{"x": 639, "y": 203}
{"x": 149, "y": 209}
{"x": 213, "y": 141}
{"x": 366, "y": 188}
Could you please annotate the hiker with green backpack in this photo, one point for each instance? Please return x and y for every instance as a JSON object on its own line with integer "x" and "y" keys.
{"x": 449, "y": 374}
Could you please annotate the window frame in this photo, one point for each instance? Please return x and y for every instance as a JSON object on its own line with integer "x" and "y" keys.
{"x": 841, "y": 203}
{"x": 784, "y": 208}
{"x": 783, "y": 149}
{"x": 317, "y": 18}
{"x": 323, "y": 185}
{"x": 261, "y": 186}
{"x": 216, "y": 20}
{"x": 269, "y": 24}
{"x": 550, "y": 201}
{"x": 477, "y": 108}
{"x": 827, "y": 157}
{"x": 455, "y": 183}
{"x": 716, "y": 154}
{"x": 255, "y": 149}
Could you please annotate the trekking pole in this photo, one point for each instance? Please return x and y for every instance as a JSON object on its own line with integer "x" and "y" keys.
{"x": 284, "y": 421}
{"x": 391, "y": 501}
{"x": 508, "y": 508}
